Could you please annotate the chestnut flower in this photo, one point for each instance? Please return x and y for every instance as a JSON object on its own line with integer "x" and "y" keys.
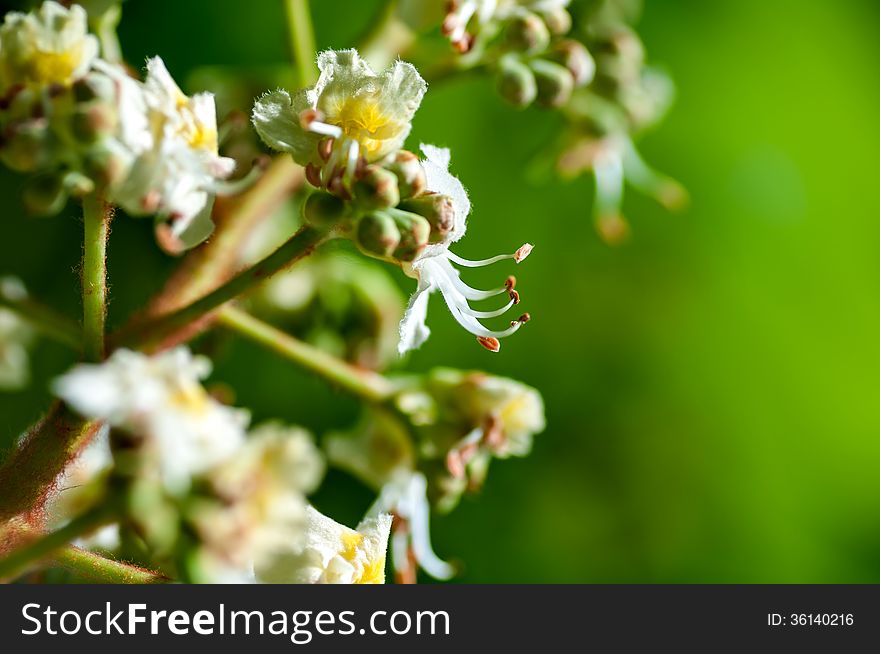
{"x": 434, "y": 271}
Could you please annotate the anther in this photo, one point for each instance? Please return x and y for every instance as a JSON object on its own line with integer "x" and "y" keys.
{"x": 514, "y": 295}
{"x": 309, "y": 116}
{"x": 490, "y": 343}
{"x": 523, "y": 319}
{"x": 510, "y": 283}
{"x": 523, "y": 252}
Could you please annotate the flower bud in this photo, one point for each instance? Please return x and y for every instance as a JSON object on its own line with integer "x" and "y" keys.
{"x": 410, "y": 174}
{"x": 516, "y": 82}
{"x": 24, "y": 146}
{"x": 106, "y": 166}
{"x": 93, "y": 87}
{"x": 44, "y": 195}
{"x": 558, "y": 21}
{"x": 527, "y": 33}
{"x": 377, "y": 189}
{"x": 555, "y": 83}
{"x": 377, "y": 234}
{"x": 437, "y": 209}
{"x": 577, "y": 59}
{"x": 324, "y": 210}
{"x": 415, "y": 232}
{"x": 90, "y": 122}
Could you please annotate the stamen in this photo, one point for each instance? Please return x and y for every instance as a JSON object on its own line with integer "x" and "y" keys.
{"x": 313, "y": 175}
{"x": 517, "y": 256}
{"x": 497, "y": 312}
{"x": 310, "y": 120}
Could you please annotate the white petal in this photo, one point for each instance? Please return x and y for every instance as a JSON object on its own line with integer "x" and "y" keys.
{"x": 413, "y": 327}
{"x": 440, "y": 180}
{"x": 276, "y": 118}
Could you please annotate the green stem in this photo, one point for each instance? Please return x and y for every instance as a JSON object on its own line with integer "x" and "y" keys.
{"x": 17, "y": 562}
{"x": 44, "y": 319}
{"x": 158, "y": 332}
{"x": 97, "y": 215}
{"x": 365, "y": 384}
{"x": 100, "y": 569}
{"x": 302, "y": 40}
{"x": 386, "y": 37}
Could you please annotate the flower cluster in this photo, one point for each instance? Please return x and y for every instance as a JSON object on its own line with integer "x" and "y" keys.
{"x": 460, "y": 420}
{"x": 593, "y": 70}
{"x": 348, "y": 131}
{"x": 80, "y": 124}
{"x": 215, "y": 502}
{"x": 525, "y": 40}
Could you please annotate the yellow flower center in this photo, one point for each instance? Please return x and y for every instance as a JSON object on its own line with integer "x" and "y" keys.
{"x": 52, "y": 67}
{"x": 373, "y": 572}
{"x": 191, "y": 398}
{"x": 362, "y": 119}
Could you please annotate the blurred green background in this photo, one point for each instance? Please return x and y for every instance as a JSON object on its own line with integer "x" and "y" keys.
{"x": 712, "y": 387}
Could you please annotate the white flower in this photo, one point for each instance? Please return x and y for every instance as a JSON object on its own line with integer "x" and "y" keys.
{"x": 177, "y": 174}
{"x": 48, "y": 46}
{"x": 367, "y": 115}
{"x": 159, "y": 398}
{"x": 434, "y": 271}
{"x": 334, "y": 554}
{"x": 406, "y": 497}
{"x": 15, "y": 338}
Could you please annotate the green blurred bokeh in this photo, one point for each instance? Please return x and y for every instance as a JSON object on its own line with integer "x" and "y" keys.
{"x": 712, "y": 388}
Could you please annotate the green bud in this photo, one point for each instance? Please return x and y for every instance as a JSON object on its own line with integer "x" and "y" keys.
{"x": 25, "y": 145}
{"x": 105, "y": 166}
{"x": 415, "y": 233}
{"x": 437, "y": 209}
{"x": 377, "y": 234}
{"x": 555, "y": 83}
{"x": 90, "y": 122}
{"x": 410, "y": 174}
{"x": 558, "y": 21}
{"x": 93, "y": 87}
{"x": 516, "y": 82}
{"x": 377, "y": 189}
{"x": 324, "y": 210}
{"x": 44, "y": 195}
{"x": 78, "y": 184}
{"x": 527, "y": 33}
{"x": 577, "y": 59}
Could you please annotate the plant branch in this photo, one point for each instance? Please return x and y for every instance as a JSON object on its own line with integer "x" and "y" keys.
{"x": 19, "y": 560}
{"x": 103, "y": 570}
{"x": 365, "y": 384}
{"x": 28, "y": 474}
{"x": 302, "y": 39}
{"x": 97, "y": 215}
{"x": 164, "y": 331}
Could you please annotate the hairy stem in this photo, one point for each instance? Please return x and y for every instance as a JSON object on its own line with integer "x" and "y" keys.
{"x": 168, "y": 329}
{"x": 100, "y": 569}
{"x": 28, "y": 474}
{"x": 302, "y": 39}
{"x": 97, "y": 215}
{"x": 365, "y": 384}
{"x": 32, "y": 551}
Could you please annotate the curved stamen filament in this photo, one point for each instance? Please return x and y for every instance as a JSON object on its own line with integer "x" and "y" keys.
{"x": 234, "y": 187}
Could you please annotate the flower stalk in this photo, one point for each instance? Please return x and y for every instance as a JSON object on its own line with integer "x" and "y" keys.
{"x": 97, "y": 215}
{"x": 44, "y": 319}
{"x": 302, "y": 39}
{"x": 161, "y": 332}
{"x": 100, "y": 569}
{"x": 365, "y": 384}
{"x": 19, "y": 560}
